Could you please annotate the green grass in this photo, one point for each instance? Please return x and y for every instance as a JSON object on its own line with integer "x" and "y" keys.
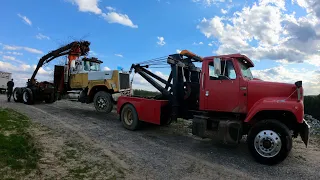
{"x": 17, "y": 149}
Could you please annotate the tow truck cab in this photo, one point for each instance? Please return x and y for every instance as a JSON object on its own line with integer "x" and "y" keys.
{"x": 224, "y": 99}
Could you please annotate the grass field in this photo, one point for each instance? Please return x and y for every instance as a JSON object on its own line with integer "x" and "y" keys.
{"x": 18, "y": 153}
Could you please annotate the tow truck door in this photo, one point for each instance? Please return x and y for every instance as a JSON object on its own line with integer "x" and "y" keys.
{"x": 222, "y": 92}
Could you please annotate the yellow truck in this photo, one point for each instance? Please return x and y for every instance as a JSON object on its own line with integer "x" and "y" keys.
{"x": 83, "y": 79}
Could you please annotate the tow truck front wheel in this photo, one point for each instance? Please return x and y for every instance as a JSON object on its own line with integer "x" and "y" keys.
{"x": 129, "y": 117}
{"x": 269, "y": 142}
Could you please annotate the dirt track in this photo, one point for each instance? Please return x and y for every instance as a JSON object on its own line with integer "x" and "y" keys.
{"x": 164, "y": 152}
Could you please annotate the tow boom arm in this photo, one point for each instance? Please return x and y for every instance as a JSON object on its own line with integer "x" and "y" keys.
{"x": 185, "y": 81}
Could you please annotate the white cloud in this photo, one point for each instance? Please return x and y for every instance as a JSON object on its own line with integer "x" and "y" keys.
{"x": 223, "y": 11}
{"x": 200, "y": 43}
{"x": 25, "y": 19}
{"x": 208, "y": 2}
{"x": 283, "y": 74}
{"x": 178, "y": 50}
{"x": 14, "y": 53}
{"x": 113, "y": 17}
{"x": 11, "y": 58}
{"x": 312, "y": 6}
{"x": 87, "y": 5}
{"x": 279, "y": 36}
{"x": 22, "y": 72}
{"x": 210, "y": 44}
{"x": 41, "y": 36}
{"x": 119, "y": 55}
{"x": 31, "y": 50}
{"x": 110, "y": 17}
{"x": 110, "y": 8}
{"x": 8, "y": 58}
{"x": 106, "y": 68}
{"x": 161, "y": 41}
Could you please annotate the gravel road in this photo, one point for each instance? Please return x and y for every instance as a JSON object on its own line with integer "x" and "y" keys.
{"x": 166, "y": 152}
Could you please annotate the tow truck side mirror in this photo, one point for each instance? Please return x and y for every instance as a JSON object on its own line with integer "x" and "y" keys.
{"x": 217, "y": 66}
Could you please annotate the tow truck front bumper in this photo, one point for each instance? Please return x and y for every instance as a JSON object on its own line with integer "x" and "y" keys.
{"x": 304, "y": 131}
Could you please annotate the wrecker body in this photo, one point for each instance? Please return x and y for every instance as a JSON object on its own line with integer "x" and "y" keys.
{"x": 222, "y": 99}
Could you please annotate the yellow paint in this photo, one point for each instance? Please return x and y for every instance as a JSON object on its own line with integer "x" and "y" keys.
{"x": 79, "y": 80}
{"x": 108, "y": 83}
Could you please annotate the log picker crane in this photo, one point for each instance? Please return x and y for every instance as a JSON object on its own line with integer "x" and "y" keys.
{"x": 46, "y": 91}
{"x": 224, "y": 100}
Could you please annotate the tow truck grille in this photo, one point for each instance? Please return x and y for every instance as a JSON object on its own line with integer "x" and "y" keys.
{"x": 124, "y": 81}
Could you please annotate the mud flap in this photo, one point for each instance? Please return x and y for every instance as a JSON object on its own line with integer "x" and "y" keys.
{"x": 305, "y": 132}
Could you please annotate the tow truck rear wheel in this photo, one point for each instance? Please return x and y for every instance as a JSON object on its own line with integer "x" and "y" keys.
{"x": 129, "y": 117}
{"x": 27, "y": 96}
{"x": 103, "y": 102}
{"x": 269, "y": 142}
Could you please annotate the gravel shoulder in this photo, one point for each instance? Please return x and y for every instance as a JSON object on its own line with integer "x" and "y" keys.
{"x": 153, "y": 152}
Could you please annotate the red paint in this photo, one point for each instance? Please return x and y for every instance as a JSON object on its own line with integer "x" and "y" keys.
{"x": 274, "y": 103}
{"x": 149, "y": 110}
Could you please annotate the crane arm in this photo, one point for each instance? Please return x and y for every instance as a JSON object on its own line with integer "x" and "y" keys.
{"x": 76, "y": 48}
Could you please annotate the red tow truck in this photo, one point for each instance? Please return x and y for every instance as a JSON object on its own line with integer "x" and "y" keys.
{"x": 222, "y": 97}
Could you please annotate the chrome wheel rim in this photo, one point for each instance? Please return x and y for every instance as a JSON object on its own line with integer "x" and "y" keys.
{"x": 128, "y": 117}
{"x": 267, "y": 143}
{"x": 101, "y": 103}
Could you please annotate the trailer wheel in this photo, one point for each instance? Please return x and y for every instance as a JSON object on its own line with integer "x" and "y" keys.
{"x": 102, "y": 102}
{"x": 269, "y": 142}
{"x": 27, "y": 96}
{"x": 129, "y": 117}
{"x": 17, "y": 95}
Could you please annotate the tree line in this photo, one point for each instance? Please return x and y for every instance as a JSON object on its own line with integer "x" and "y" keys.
{"x": 312, "y": 106}
{"x": 311, "y": 103}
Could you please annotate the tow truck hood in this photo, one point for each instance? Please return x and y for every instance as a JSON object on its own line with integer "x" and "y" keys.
{"x": 258, "y": 89}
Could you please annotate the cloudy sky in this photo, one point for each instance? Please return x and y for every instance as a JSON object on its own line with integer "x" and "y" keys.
{"x": 281, "y": 37}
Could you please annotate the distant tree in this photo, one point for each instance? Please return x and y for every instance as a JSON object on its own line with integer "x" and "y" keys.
{"x": 140, "y": 92}
{"x": 312, "y": 106}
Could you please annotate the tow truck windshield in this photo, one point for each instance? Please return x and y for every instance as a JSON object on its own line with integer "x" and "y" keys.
{"x": 245, "y": 69}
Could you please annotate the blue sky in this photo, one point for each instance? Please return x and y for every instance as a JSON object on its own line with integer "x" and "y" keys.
{"x": 282, "y": 37}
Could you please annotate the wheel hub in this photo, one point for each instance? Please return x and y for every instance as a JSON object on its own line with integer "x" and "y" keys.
{"x": 267, "y": 143}
{"x": 128, "y": 117}
{"x": 101, "y": 103}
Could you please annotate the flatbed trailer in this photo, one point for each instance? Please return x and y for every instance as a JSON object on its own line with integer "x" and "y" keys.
{"x": 222, "y": 96}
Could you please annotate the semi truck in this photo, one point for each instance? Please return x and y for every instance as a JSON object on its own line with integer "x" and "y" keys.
{"x": 4, "y": 78}
{"x": 223, "y": 99}
{"x": 81, "y": 78}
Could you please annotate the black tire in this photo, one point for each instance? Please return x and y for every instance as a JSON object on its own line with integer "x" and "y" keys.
{"x": 102, "y": 102}
{"x": 27, "y": 96}
{"x": 50, "y": 99}
{"x": 131, "y": 121}
{"x": 272, "y": 130}
{"x": 17, "y": 95}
